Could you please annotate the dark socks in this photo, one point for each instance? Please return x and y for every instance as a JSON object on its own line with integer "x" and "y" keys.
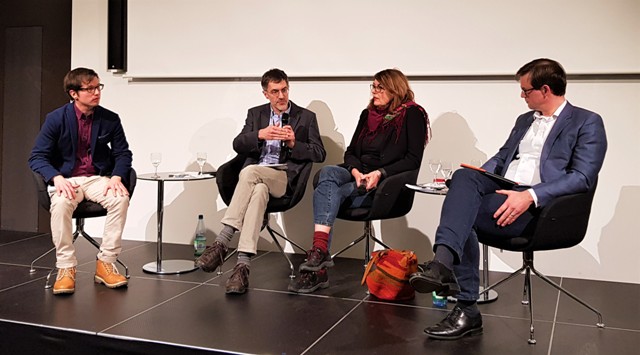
{"x": 444, "y": 255}
{"x": 321, "y": 241}
{"x": 469, "y": 308}
{"x": 225, "y": 235}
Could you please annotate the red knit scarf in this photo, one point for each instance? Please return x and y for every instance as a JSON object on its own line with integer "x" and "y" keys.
{"x": 380, "y": 121}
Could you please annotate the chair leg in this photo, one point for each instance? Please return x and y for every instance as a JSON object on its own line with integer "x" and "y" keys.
{"x": 349, "y": 246}
{"x": 492, "y": 295}
{"x": 512, "y": 275}
{"x": 599, "y": 324}
{"x": 33, "y": 270}
{"x": 292, "y": 274}
{"x": 367, "y": 235}
{"x": 271, "y": 231}
{"x": 527, "y": 282}
{"x": 81, "y": 232}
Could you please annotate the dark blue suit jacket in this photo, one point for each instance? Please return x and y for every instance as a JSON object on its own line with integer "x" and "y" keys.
{"x": 571, "y": 156}
{"x": 55, "y": 148}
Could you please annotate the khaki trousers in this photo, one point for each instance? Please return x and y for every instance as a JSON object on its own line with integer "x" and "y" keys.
{"x": 90, "y": 188}
{"x": 249, "y": 202}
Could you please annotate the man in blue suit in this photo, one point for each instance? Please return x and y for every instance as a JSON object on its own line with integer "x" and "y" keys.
{"x": 554, "y": 150}
{"x": 82, "y": 153}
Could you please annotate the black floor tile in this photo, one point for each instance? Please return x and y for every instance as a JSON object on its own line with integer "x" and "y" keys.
{"x": 92, "y": 307}
{"x": 256, "y": 322}
{"x": 619, "y": 303}
{"x": 510, "y": 296}
{"x": 190, "y": 312}
{"x": 13, "y": 236}
{"x": 378, "y": 328}
{"x": 569, "y": 339}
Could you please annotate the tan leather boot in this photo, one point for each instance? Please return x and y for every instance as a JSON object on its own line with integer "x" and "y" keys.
{"x": 65, "y": 281}
{"x": 107, "y": 273}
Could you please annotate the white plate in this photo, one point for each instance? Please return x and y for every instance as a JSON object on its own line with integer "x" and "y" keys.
{"x": 434, "y": 185}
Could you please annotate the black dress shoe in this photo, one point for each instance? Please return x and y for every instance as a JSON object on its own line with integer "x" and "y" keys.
{"x": 456, "y": 325}
{"x": 436, "y": 277}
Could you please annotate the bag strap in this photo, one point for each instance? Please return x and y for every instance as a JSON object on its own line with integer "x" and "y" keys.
{"x": 370, "y": 265}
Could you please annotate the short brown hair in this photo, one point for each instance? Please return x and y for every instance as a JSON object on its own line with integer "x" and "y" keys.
{"x": 396, "y": 85}
{"x": 545, "y": 72}
{"x": 273, "y": 75}
{"x": 74, "y": 79}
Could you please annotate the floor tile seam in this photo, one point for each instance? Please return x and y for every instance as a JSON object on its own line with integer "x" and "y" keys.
{"x": 47, "y": 326}
{"x": 139, "y": 277}
{"x": 22, "y": 284}
{"x": 153, "y": 341}
{"x": 24, "y": 239}
{"x": 128, "y": 250}
{"x": 323, "y": 335}
{"x": 306, "y": 294}
{"x": 595, "y": 326}
{"x": 150, "y": 308}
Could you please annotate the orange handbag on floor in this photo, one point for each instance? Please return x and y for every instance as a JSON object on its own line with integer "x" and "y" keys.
{"x": 387, "y": 274}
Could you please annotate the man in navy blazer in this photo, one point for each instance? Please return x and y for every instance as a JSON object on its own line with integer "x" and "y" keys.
{"x": 554, "y": 150}
{"x": 82, "y": 152}
{"x": 277, "y": 140}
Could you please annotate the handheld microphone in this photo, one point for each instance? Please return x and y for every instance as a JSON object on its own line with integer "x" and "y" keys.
{"x": 284, "y": 149}
{"x": 285, "y": 121}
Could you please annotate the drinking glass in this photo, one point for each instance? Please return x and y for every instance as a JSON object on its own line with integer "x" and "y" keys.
{"x": 445, "y": 169}
{"x": 201, "y": 158}
{"x": 156, "y": 158}
{"x": 434, "y": 166}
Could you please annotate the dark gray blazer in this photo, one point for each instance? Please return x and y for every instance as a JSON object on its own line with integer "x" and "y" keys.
{"x": 308, "y": 147}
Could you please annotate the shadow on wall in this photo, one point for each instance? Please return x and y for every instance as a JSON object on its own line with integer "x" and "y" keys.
{"x": 197, "y": 197}
{"x": 452, "y": 140}
{"x": 298, "y": 222}
{"x": 617, "y": 235}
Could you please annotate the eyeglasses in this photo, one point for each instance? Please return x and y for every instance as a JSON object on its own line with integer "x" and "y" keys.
{"x": 526, "y": 92}
{"x": 274, "y": 92}
{"x": 92, "y": 89}
{"x": 376, "y": 88}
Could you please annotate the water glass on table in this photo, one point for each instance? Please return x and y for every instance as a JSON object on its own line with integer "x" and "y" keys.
{"x": 156, "y": 159}
{"x": 201, "y": 158}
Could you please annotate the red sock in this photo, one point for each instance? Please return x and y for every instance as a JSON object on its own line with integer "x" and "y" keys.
{"x": 321, "y": 241}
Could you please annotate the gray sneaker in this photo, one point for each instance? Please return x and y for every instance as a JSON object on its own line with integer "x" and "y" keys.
{"x": 316, "y": 260}
{"x": 309, "y": 281}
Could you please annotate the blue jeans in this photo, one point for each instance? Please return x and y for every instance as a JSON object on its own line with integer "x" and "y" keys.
{"x": 469, "y": 206}
{"x": 336, "y": 187}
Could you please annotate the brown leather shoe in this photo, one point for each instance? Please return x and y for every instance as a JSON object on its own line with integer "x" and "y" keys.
{"x": 108, "y": 274}
{"x": 65, "y": 281}
{"x": 239, "y": 279}
{"x": 212, "y": 257}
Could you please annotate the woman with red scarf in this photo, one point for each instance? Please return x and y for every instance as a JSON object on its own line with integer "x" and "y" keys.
{"x": 390, "y": 138}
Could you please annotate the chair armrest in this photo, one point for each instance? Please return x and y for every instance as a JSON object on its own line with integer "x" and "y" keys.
{"x": 392, "y": 198}
{"x": 43, "y": 195}
{"x": 227, "y": 177}
{"x": 563, "y": 223}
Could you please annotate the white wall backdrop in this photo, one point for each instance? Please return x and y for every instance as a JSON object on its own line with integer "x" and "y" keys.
{"x": 470, "y": 120}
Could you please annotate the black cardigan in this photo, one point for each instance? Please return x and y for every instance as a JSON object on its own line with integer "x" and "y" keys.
{"x": 395, "y": 156}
